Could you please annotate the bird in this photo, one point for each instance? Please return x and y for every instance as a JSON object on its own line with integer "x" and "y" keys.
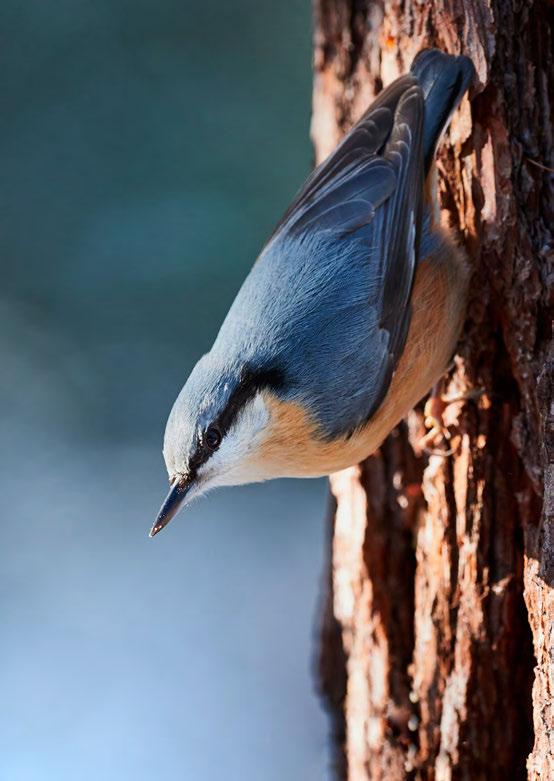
{"x": 350, "y": 314}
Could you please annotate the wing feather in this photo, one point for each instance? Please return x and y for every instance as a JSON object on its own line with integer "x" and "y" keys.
{"x": 371, "y": 189}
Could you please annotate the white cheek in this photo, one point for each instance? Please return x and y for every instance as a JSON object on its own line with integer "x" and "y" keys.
{"x": 227, "y": 465}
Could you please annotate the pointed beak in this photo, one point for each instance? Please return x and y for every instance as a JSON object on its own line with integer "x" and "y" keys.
{"x": 172, "y": 504}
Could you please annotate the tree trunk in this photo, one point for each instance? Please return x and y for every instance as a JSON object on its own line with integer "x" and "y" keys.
{"x": 438, "y": 636}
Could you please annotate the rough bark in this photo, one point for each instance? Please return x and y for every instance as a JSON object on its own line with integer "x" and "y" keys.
{"x": 439, "y": 631}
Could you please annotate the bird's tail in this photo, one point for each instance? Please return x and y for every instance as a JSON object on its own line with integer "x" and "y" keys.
{"x": 444, "y": 80}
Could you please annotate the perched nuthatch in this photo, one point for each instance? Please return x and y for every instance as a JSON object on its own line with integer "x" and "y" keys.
{"x": 350, "y": 314}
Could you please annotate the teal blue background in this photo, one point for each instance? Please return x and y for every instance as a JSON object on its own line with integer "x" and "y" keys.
{"x": 146, "y": 149}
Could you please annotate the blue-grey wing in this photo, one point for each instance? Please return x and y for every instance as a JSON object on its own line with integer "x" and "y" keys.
{"x": 367, "y": 198}
{"x": 365, "y": 141}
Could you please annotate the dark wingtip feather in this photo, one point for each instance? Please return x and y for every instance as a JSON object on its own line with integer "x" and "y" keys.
{"x": 444, "y": 79}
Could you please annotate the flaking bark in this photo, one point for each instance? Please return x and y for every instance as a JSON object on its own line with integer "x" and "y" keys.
{"x": 439, "y": 631}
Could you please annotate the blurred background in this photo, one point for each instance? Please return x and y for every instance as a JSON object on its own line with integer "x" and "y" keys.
{"x": 146, "y": 150}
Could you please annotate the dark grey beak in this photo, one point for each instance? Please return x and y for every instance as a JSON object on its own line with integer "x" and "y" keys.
{"x": 172, "y": 504}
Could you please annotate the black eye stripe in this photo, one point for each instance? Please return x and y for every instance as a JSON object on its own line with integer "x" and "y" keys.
{"x": 249, "y": 384}
{"x": 239, "y": 398}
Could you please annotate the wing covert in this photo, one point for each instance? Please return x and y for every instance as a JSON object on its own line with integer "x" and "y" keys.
{"x": 370, "y": 189}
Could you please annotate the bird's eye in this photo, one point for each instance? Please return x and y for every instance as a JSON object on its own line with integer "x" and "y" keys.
{"x": 213, "y": 437}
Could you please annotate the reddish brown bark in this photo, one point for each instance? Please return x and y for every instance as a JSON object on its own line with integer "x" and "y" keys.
{"x": 438, "y": 639}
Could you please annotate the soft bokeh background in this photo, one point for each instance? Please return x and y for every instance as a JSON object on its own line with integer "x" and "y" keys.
{"x": 146, "y": 148}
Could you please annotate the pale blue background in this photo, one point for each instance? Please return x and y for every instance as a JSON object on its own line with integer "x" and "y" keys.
{"x": 146, "y": 149}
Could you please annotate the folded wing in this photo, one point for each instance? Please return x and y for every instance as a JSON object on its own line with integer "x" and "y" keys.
{"x": 370, "y": 189}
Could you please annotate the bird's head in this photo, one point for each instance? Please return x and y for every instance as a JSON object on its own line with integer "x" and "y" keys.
{"x": 218, "y": 431}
